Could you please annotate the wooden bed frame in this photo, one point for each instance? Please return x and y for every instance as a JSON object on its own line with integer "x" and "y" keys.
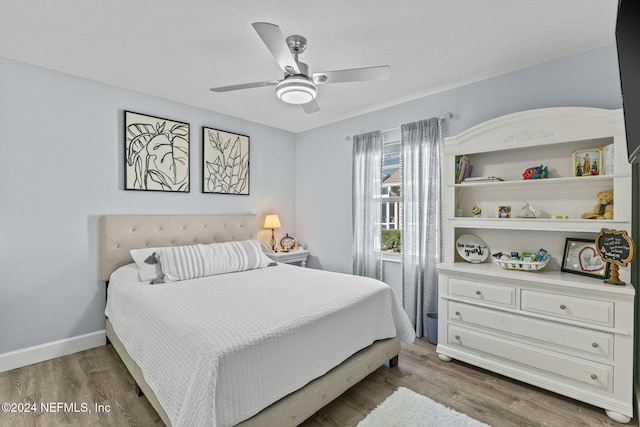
{"x": 118, "y": 234}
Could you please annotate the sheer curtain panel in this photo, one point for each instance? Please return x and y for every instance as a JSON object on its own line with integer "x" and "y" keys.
{"x": 367, "y": 208}
{"x": 421, "y": 220}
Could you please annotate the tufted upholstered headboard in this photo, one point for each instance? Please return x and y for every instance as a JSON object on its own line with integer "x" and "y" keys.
{"x": 118, "y": 234}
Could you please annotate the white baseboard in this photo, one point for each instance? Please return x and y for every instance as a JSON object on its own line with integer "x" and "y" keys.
{"x": 51, "y": 350}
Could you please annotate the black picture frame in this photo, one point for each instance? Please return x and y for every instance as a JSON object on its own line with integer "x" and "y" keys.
{"x": 156, "y": 154}
{"x": 225, "y": 162}
{"x": 581, "y": 257}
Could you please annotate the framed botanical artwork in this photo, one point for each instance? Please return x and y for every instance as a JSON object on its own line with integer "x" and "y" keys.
{"x": 581, "y": 257}
{"x": 588, "y": 162}
{"x": 156, "y": 153}
{"x": 225, "y": 162}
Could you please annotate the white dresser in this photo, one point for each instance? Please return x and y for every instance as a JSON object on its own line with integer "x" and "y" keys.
{"x": 564, "y": 332}
{"x": 573, "y": 337}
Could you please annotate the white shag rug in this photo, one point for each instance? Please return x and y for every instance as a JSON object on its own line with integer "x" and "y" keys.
{"x": 406, "y": 408}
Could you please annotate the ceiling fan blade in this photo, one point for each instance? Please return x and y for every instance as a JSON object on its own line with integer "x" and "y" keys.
{"x": 381, "y": 72}
{"x": 272, "y": 36}
{"x": 311, "y": 107}
{"x": 245, "y": 86}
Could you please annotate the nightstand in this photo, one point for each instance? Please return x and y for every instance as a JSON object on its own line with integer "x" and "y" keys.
{"x": 290, "y": 257}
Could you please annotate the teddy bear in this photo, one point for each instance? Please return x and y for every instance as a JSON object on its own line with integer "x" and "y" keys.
{"x": 604, "y": 208}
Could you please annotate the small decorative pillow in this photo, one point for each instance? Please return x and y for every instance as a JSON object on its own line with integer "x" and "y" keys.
{"x": 148, "y": 266}
{"x": 192, "y": 261}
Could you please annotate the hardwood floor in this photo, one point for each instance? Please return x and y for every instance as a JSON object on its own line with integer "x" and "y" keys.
{"x": 98, "y": 376}
{"x": 493, "y": 399}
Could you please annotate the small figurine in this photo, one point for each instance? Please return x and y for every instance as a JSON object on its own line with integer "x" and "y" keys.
{"x": 536, "y": 172}
{"x": 529, "y": 210}
{"x": 476, "y": 211}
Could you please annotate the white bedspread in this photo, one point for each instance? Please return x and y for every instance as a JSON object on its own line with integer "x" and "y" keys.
{"x": 217, "y": 350}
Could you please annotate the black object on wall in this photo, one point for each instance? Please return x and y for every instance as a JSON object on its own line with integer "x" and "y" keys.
{"x": 628, "y": 43}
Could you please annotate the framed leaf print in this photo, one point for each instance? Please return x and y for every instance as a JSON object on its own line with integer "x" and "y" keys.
{"x": 156, "y": 154}
{"x": 225, "y": 157}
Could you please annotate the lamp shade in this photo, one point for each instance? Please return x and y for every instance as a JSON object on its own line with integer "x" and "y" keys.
{"x": 272, "y": 221}
{"x": 296, "y": 90}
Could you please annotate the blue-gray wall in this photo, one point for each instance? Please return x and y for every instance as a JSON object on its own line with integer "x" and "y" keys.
{"x": 61, "y": 148}
{"x": 323, "y": 157}
{"x": 61, "y": 151}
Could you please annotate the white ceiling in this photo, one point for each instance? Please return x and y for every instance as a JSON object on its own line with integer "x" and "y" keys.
{"x": 178, "y": 49}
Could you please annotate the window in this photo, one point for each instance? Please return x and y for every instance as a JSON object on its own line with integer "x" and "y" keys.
{"x": 391, "y": 195}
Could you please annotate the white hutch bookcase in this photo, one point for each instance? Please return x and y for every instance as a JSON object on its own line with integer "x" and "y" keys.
{"x": 564, "y": 332}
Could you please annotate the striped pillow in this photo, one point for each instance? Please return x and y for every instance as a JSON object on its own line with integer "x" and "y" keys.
{"x": 192, "y": 261}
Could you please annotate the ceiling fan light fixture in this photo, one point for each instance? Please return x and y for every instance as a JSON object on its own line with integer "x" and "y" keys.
{"x": 296, "y": 90}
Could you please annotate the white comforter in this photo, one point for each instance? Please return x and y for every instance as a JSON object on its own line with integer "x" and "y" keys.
{"x": 219, "y": 349}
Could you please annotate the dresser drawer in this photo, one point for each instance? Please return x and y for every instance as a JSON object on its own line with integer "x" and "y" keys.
{"x": 564, "y": 337}
{"x": 570, "y": 307}
{"x": 484, "y": 292}
{"x": 584, "y": 371}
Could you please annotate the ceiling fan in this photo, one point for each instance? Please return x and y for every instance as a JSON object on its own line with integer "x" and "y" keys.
{"x": 298, "y": 86}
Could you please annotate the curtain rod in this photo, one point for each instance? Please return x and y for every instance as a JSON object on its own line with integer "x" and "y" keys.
{"x": 445, "y": 117}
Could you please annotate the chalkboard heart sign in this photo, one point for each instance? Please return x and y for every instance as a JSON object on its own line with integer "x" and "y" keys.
{"x": 615, "y": 247}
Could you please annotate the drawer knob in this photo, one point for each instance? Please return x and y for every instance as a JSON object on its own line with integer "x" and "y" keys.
{"x": 457, "y": 313}
{"x": 457, "y": 337}
{"x": 594, "y": 345}
{"x": 478, "y": 293}
{"x": 594, "y": 376}
{"x": 562, "y": 306}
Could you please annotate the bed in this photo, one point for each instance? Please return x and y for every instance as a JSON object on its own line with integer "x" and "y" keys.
{"x": 279, "y": 386}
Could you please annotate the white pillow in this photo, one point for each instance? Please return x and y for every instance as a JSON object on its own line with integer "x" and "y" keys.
{"x": 192, "y": 261}
{"x": 148, "y": 265}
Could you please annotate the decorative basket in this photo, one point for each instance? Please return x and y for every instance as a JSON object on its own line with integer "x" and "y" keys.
{"x": 521, "y": 265}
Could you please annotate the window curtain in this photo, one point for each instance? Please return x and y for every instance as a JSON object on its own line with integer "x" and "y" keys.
{"x": 421, "y": 220}
{"x": 367, "y": 208}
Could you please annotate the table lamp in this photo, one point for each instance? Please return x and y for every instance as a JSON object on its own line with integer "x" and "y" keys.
{"x": 272, "y": 221}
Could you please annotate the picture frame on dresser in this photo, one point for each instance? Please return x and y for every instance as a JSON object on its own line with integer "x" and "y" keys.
{"x": 581, "y": 257}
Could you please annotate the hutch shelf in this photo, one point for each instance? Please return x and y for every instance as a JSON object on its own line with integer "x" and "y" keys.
{"x": 564, "y": 332}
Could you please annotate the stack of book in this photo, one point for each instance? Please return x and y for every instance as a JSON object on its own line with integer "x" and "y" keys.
{"x": 463, "y": 168}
